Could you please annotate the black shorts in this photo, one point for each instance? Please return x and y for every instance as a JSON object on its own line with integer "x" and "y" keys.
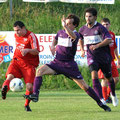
{"x": 106, "y": 69}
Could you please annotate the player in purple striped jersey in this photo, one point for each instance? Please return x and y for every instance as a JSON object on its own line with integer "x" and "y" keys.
{"x": 97, "y": 39}
{"x": 66, "y": 45}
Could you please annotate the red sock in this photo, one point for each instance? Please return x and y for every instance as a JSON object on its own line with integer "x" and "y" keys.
{"x": 108, "y": 91}
{"x": 6, "y": 82}
{"x": 26, "y": 100}
{"x": 104, "y": 92}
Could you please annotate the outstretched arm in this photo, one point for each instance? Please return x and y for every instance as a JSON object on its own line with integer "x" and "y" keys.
{"x": 52, "y": 48}
{"x": 68, "y": 31}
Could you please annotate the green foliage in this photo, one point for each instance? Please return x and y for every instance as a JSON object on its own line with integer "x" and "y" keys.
{"x": 46, "y": 17}
{"x": 3, "y": 68}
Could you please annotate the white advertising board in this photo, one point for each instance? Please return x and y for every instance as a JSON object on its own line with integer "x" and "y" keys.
{"x": 3, "y": 1}
{"x": 7, "y": 47}
{"x": 75, "y": 1}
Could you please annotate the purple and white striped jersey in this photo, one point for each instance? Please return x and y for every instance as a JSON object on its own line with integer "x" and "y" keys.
{"x": 66, "y": 47}
{"x": 92, "y": 36}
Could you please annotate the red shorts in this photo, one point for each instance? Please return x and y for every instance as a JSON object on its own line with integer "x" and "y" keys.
{"x": 20, "y": 69}
{"x": 114, "y": 71}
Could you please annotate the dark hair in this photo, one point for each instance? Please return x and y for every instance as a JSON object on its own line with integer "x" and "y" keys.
{"x": 93, "y": 11}
{"x": 105, "y": 20}
{"x": 19, "y": 23}
{"x": 76, "y": 19}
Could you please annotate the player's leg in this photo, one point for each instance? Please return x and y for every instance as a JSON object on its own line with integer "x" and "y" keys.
{"x": 5, "y": 86}
{"x": 29, "y": 91}
{"x": 96, "y": 83}
{"x": 12, "y": 71}
{"x": 28, "y": 75}
{"x": 111, "y": 85}
{"x": 82, "y": 84}
{"x": 115, "y": 76}
{"x": 43, "y": 70}
{"x": 106, "y": 69}
{"x": 104, "y": 85}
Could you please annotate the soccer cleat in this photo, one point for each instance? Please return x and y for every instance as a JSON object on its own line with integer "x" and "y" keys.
{"x": 27, "y": 108}
{"x": 109, "y": 100}
{"x": 25, "y": 96}
{"x": 32, "y": 97}
{"x": 114, "y": 100}
{"x": 4, "y": 92}
{"x": 105, "y": 107}
{"x": 103, "y": 101}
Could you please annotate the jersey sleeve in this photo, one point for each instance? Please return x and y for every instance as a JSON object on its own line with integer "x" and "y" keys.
{"x": 104, "y": 33}
{"x": 34, "y": 41}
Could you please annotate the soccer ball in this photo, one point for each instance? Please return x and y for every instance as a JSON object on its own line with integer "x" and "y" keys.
{"x": 16, "y": 85}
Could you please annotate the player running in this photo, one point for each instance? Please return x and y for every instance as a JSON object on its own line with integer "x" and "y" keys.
{"x": 66, "y": 45}
{"x": 25, "y": 60}
{"x": 113, "y": 48}
{"x": 97, "y": 39}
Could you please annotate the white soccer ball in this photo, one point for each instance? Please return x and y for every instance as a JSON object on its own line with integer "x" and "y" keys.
{"x": 16, "y": 85}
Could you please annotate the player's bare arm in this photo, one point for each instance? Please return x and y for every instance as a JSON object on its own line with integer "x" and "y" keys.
{"x": 52, "y": 48}
{"x": 117, "y": 57}
{"x": 81, "y": 43}
{"x": 101, "y": 44}
{"x": 31, "y": 51}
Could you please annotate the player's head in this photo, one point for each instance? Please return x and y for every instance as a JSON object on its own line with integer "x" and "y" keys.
{"x": 90, "y": 15}
{"x": 72, "y": 21}
{"x": 19, "y": 28}
{"x": 106, "y": 23}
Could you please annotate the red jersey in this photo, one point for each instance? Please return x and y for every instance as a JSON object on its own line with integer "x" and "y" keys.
{"x": 29, "y": 41}
{"x": 112, "y": 45}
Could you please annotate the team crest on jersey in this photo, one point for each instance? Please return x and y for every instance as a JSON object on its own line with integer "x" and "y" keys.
{"x": 96, "y": 32}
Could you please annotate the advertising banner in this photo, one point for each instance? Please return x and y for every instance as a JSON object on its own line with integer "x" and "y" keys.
{"x": 75, "y": 1}
{"x": 3, "y": 1}
{"x": 89, "y": 1}
{"x": 7, "y": 47}
{"x": 40, "y": 0}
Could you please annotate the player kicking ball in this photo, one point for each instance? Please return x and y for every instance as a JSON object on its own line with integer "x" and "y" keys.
{"x": 65, "y": 43}
{"x": 25, "y": 60}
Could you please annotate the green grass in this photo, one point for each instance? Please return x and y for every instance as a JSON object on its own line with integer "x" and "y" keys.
{"x": 56, "y": 105}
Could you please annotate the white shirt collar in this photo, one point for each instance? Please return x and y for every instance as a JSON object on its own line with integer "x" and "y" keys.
{"x": 93, "y": 25}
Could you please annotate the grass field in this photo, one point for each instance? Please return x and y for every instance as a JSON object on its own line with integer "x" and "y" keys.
{"x": 56, "y": 105}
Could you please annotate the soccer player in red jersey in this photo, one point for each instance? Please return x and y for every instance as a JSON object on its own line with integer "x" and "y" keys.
{"x": 113, "y": 48}
{"x": 25, "y": 60}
